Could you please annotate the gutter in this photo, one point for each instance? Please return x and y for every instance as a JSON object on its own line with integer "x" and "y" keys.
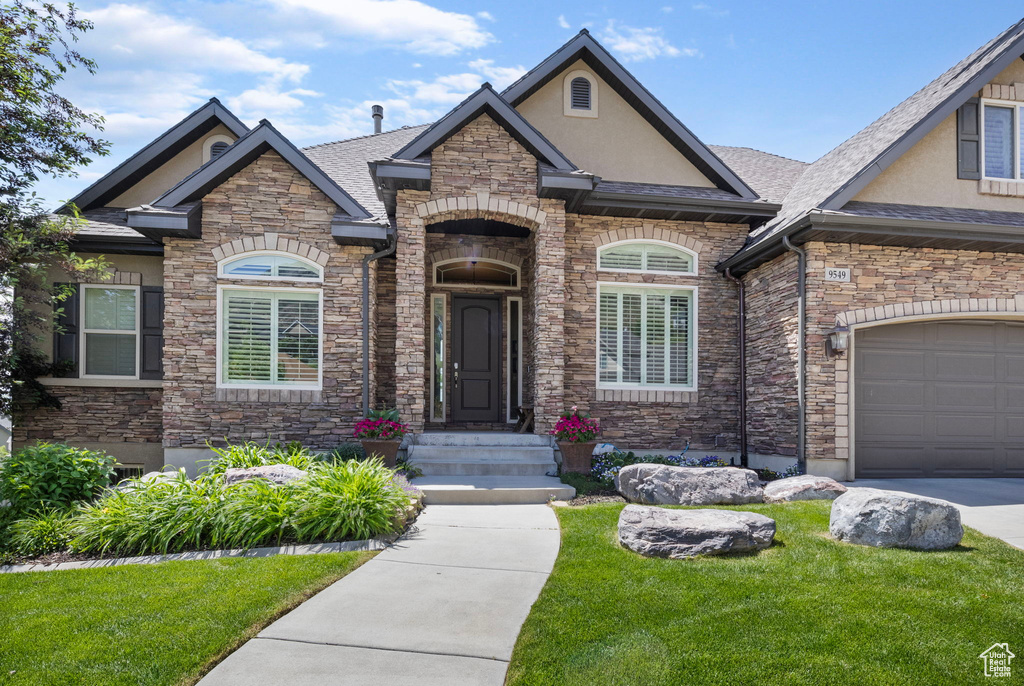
{"x": 743, "y": 366}
{"x": 801, "y": 457}
{"x": 389, "y": 249}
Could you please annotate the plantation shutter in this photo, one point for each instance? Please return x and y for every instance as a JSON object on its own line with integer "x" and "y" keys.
{"x": 247, "y": 336}
{"x": 580, "y": 93}
{"x": 271, "y": 338}
{"x": 65, "y": 342}
{"x": 151, "y": 339}
{"x": 644, "y": 337}
{"x": 968, "y": 151}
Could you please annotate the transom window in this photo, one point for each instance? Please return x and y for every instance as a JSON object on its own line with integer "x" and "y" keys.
{"x": 476, "y": 272}
{"x": 645, "y": 257}
{"x": 271, "y": 266}
{"x": 110, "y": 326}
{"x": 645, "y": 337}
{"x": 1002, "y": 127}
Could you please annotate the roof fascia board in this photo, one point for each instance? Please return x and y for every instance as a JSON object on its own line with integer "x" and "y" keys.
{"x": 153, "y": 150}
{"x": 116, "y": 246}
{"x": 389, "y": 170}
{"x": 486, "y": 100}
{"x": 585, "y": 45}
{"x": 760, "y": 209}
{"x": 263, "y": 137}
{"x": 923, "y": 127}
{"x": 738, "y": 262}
{"x": 917, "y": 227}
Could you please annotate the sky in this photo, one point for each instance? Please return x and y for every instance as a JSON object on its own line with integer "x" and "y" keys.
{"x": 790, "y": 78}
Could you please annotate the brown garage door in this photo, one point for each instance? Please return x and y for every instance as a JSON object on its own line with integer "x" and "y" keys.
{"x": 939, "y": 399}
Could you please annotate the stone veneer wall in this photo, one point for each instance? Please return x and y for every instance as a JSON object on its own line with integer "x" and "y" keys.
{"x": 656, "y": 419}
{"x": 266, "y": 203}
{"x": 384, "y": 316}
{"x": 772, "y": 347}
{"x": 91, "y": 414}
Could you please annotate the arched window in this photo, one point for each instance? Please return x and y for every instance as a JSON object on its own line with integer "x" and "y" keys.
{"x": 217, "y": 149}
{"x": 646, "y": 256}
{"x": 476, "y": 272}
{"x": 579, "y": 91}
{"x": 270, "y": 265}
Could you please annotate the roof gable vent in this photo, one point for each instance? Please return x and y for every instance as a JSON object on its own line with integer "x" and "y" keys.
{"x": 580, "y": 93}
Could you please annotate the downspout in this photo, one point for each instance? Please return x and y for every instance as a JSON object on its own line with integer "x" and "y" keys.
{"x": 389, "y": 249}
{"x": 801, "y": 457}
{"x": 743, "y": 365}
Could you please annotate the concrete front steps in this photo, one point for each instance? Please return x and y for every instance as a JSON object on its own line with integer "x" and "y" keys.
{"x": 492, "y": 467}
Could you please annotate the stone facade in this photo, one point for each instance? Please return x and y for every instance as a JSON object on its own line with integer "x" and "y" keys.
{"x": 384, "y": 318}
{"x": 91, "y": 414}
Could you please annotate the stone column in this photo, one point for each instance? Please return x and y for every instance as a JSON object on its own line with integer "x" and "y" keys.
{"x": 548, "y": 317}
{"x": 410, "y": 321}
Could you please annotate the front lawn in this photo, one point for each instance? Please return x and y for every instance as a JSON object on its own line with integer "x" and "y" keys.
{"x": 148, "y": 624}
{"x": 808, "y": 610}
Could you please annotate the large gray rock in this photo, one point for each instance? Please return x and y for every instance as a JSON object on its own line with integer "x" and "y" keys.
{"x": 148, "y": 479}
{"x": 658, "y": 484}
{"x": 657, "y": 532}
{"x": 891, "y": 519}
{"x": 806, "y": 487}
{"x": 275, "y": 473}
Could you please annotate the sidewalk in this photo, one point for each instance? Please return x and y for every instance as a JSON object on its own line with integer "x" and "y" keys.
{"x": 442, "y": 606}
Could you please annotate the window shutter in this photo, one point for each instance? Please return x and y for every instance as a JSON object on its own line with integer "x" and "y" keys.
{"x": 151, "y": 334}
{"x": 968, "y": 148}
{"x": 65, "y": 344}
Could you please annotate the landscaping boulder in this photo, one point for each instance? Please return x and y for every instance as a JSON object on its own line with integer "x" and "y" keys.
{"x": 275, "y": 473}
{"x": 804, "y": 487}
{"x": 657, "y": 532}
{"x": 147, "y": 479}
{"x": 658, "y": 484}
{"x": 891, "y": 519}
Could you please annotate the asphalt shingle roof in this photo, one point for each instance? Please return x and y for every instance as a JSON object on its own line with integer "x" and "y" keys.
{"x": 106, "y": 222}
{"x": 957, "y": 215}
{"x": 662, "y": 190}
{"x": 771, "y": 176}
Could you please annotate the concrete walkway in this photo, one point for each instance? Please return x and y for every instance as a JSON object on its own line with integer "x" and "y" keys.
{"x": 442, "y": 606}
{"x": 995, "y": 507}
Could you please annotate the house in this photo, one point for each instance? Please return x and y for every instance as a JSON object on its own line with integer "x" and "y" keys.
{"x": 568, "y": 241}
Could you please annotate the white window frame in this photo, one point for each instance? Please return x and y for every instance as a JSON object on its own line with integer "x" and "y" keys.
{"x": 648, "y": 241}
{"x": 694, "y": 338}
{"x": 433, "y": 357}
{"x": 567, "y": 108}
{"x": 275, "y": 253}
{"x": 493, "y": 287}
{"x": 510, "y": 415}
{"x": 1014, "y": 130}
{"x": 83, "y": 331}
{"x": 221, "y": 288}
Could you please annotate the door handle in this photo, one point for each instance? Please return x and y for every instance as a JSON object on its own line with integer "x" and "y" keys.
{"x": 456, "y": 378}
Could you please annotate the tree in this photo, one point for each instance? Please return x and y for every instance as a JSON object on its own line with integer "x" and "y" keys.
{"x": 41, "y": 133}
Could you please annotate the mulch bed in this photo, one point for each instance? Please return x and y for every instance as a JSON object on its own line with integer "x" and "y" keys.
{"x": 593, "y": 499}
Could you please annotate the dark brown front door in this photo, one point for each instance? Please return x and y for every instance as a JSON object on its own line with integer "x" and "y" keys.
{"x": 476, "y": 358}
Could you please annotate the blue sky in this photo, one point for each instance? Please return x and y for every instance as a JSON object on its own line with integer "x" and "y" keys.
{"x": 791, "y": 78}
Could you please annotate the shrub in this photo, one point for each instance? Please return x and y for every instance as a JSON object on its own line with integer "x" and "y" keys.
{"x": 348, "y": 451}
{"x": 45, "y": 531}
{"x": 605, "y": 467}
{"x": 53, "y": 475}
{"x": 252, "y": 454}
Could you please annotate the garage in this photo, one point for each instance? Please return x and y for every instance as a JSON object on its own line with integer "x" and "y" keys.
{"x": 939, "y": 399}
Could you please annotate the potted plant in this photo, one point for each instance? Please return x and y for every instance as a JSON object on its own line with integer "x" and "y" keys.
{"x": 381, "y": 434}
{"x": 575, "y": 434}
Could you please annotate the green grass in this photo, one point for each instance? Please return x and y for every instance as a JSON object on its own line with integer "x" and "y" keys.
{"x": 148, "y": 624}
{"x": 808, "y": 610}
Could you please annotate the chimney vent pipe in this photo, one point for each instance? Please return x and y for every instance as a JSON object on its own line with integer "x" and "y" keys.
{"x": 378, "y": 117}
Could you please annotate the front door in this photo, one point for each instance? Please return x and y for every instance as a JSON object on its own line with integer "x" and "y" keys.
{"x": 476, "y": 358}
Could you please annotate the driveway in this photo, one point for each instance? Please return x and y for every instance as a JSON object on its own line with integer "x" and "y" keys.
{"x": 994, "y": 507}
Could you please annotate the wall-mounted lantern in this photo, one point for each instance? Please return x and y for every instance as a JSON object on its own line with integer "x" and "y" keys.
{"x": 837, "y": 342}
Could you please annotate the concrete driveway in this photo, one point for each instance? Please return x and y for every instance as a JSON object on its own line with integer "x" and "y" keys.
{"x": 994, "y": 507}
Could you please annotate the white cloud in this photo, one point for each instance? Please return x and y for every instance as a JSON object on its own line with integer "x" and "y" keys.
{"x": 713, "y": 11}
{"x": 451, "y": 89}
{"x": 667, "y": 9}
{"x": 486, "y": 16}
{"x": 637, "y": 44}
{"x": 563, "y": 23}
{"x": 267, "y": 99}
{"x": 498, "y": 76}
{"x": 410, "y": 24}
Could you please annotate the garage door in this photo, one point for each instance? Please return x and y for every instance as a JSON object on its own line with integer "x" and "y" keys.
{"x": 939, "y": 399}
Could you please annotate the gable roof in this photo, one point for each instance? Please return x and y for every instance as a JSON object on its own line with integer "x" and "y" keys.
{"x": 771, "y": 176}
{"x": 584, "y": 47}
{"x": 486, "y": 100}
{"x": 164, "y": 147}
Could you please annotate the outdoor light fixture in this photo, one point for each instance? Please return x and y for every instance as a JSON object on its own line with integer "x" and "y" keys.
{"x": 837, "y": 341}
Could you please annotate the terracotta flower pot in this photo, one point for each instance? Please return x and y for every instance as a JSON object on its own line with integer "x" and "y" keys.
{"x": 576, "y": 457}
{"x": 386, "y": 449}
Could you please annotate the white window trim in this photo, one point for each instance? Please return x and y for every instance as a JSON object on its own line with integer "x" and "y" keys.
{"x": 487, "y": 286}
{"x": 433, "y": 356}
{"x": 215, "y": 138}
{"x": 261, "y": 385}
{"x": 694, "y": 338}
{"x": 1014, "y": 130}
{"x": 511, "y": 417}
{"x": 648, "y": 241}
{"x": 83, "y": 331}
{"x": 276, "y": 253}
{"x": 567, "y": 108}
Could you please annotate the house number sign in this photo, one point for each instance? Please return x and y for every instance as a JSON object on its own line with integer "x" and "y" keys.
{"x": 837, "y": 274}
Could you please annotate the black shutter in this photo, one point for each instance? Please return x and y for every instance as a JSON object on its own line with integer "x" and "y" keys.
{"x": 968, "y": 140}
{"x": 65, "y": 341}
{"x": 151, "y": 336}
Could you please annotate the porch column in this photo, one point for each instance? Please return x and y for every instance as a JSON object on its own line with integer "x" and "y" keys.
{"x": 410, "y": 318}
{"x": 549, "y": 310}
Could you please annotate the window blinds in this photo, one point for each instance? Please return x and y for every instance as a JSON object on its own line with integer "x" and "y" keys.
{"x": 644, "y": 337}
{"x": 271, "y": 337}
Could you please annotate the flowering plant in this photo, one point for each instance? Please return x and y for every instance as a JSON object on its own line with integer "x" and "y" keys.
{"x": 576, "y": 428}
{"x": 382, "y": 425}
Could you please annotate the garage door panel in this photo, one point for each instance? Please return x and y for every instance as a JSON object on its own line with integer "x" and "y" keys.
{"x": 965, "y": 366}
{"x": 963, "y": 334}
{"x": 880, "y": 462}
{"x": 948, "y": 395}
{"x": 1014, "y": 461}
{"x": 904, "y": 364}
{"x": 953, "y": 461}
{"x": 1013, "y": 367}
{"x": 1013, "y": 335}
{"x": 909, "y": 335}
{"x": 1013, "y": 397}
{"x": 900, "y": 394}
{"x": 1015, "y": 428}
{"x": 952, "y": 426}
{"x": 891, "y": 426}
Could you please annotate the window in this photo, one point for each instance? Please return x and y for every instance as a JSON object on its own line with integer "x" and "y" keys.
{"x": 1002, "y": 126}
{"x": 437, "y": 368}
{"x": 271, "y": 266}
{"x": 217, "y": 149}
{"x": 645, "y": 337}
{"x": 645, "y": 257}
{"x": 476, "y": 272}
{"x": 270, "y": 338}
{"x": 110, "y": 326}
{"x": 580, "y": 93}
